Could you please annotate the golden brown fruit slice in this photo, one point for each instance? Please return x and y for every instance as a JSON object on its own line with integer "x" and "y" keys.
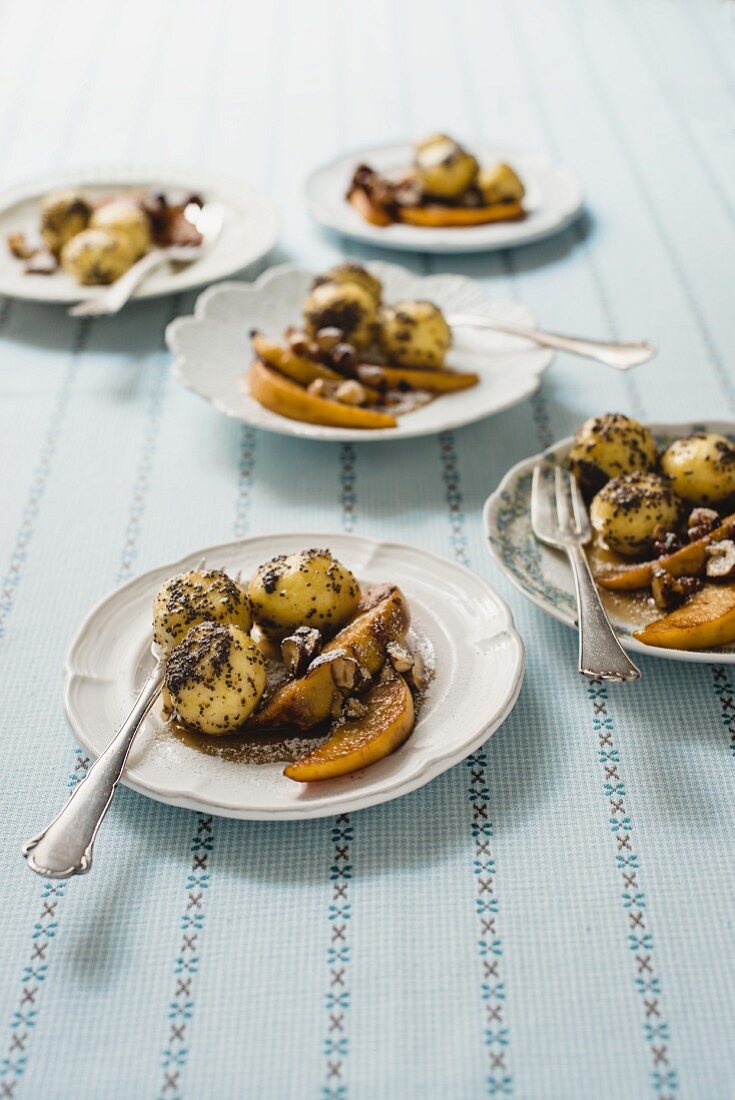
{"x": 359, "y": 742}
{"x": 286, "y": 398}
{"x": 689, "y": 561}
{"x": 446, "y": 217}
{"x": 296, "y": 367}
{"x": 385, "y": 617}
{"x": 436, "y": 381}
{"x": 703, "y": 622}
{"x": 368, "y": 209}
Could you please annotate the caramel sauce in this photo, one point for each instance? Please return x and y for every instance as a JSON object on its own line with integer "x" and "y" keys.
{"x": 250, "y": 747}
{"x": 633, "y": 610}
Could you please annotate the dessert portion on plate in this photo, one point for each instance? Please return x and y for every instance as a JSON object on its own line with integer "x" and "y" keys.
{"x": 302, "y": 649}
{"x": 444, "y": 187}
{"x": 663, "y": 552}
{"x": 355, "y": 361}
{"x": 96, "y": 240}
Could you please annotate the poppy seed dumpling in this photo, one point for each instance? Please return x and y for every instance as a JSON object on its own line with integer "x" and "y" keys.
{"x": 201, "y": 595}
{"x": 628, "y": 510}
{"x": 609, "y": 445}
{"x": 443, "y": 167}
{"x": 310, "y": 588}
{"x": 346, "y": 306}
{"x": 701, "y": 467}
{"x": 414, "y": 334}
{"x": 215, "y": 678}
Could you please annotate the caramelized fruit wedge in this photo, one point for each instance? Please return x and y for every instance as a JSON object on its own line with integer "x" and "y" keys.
{"x": 368, "y": 209}
{"x": 436, "y": 381}
{"x": 689, "y": 561}
{"x": 703, "y": 622}
{"x": 384, "y": 617}
{"x": 282, "y": 396}
{"x": 358, "y": 742}
{"x": 296, "y": 367}
{"x": 446, "y": 217}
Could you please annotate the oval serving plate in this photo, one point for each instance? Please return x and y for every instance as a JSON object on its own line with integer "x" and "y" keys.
{"x": 543, "y": 575}
{"x": 250, "y": 230}
{"x": 553, "y": 200}
{"x": 477, "y": 657}
{"x": 212, "y": 350}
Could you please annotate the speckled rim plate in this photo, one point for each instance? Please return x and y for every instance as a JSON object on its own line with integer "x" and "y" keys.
{"x": 250, "y": 230}
{"x": 542, "y": 575}
{"x": 212, "y": 350}
{"x": 553, "y": 200}
{"x": 479, "y": 664}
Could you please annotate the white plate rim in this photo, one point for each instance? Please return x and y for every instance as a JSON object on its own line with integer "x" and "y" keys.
{"x": 560, "y": 449}
{"x": 422, "y": 239}
{"x": 431, "y": 768}
{"x": 235, "y": 195}
{"x": 279, "y": 425}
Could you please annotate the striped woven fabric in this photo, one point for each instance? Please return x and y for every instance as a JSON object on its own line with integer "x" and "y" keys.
{"x": 552, "y": 918}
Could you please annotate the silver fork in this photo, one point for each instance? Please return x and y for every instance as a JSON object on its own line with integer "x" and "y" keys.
{"x": 621, "y": 356}
{"x": 600, "y": 654}
{"x": 207, "y": 219}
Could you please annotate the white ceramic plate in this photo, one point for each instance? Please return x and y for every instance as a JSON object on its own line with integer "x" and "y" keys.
{"x": 250, "y": 231}
{"x": 543, "y": 575}
{"x": 213, "y": 352}
{"x": 477, "y": 656}
{"x": 553, "y": 200}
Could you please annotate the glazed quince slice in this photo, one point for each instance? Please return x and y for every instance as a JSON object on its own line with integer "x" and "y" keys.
{"x": 307, "y": 701}
{"x": 689, "y": 561}
{"x": 282, "y": 396}
{"x": 358, "y": 742}
{"x": 705, "y": 621}
{"x": 436, "y": 381}
{"x": 296, "y": 367}
{"x": 433, "y": 216}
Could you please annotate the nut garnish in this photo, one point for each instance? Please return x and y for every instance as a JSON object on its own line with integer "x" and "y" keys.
{"x": 400, "y": 657}
{"x": 354, "y": 708}
{"x": 665, "y": 542}
{"x": 299, "y": 649}
{"x": 669, "y": 591}
{"x": 701, "y": 521}
{"x": 328, "y": 338}
{"x": 720, "y": 559}
{"x": 351, "y": 392}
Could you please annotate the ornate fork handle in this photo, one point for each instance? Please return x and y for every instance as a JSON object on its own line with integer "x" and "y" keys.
{"x": 600, "y": 652}
{"x": 622, "y": 356}
{"x": 64, "y": 847}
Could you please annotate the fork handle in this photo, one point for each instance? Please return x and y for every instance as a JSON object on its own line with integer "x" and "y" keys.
{"x": 601, "y": 655}
{"x": 64, "y": 847}
{"x": 114, "y": 298}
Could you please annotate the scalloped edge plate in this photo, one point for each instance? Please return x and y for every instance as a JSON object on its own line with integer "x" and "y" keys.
{"x": 212, "y": 348}
{"x": 479, "y": 661}
{"x": 543, "y": 575}
{"x": 250, "y": 231}
{"x": 554, "y": 199}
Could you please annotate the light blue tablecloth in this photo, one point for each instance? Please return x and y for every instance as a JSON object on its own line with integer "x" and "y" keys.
{"x": 553, "y": 918}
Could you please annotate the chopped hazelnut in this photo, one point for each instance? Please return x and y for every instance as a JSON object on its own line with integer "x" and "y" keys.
{"x": 354, "y": 708}
{"x": 299, "y": 649}
{"x": 351, "y": 392}
{"x": 322, "y": 387}
{"x": 328, "y": 338}
{"x": 720, "y": 559}
{"x": 344, "y": 359}
{"x": 371, "y": 375}
{"x": 669, "y": 591}
{"x": 701, "y": 522}
{"x": 301, "y": 345}
{"x": 665, "y": 542}
{"x": 400, "y": 657}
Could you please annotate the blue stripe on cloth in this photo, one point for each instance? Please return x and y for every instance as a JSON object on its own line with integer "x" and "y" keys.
{"x": 499, "y": 1080}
